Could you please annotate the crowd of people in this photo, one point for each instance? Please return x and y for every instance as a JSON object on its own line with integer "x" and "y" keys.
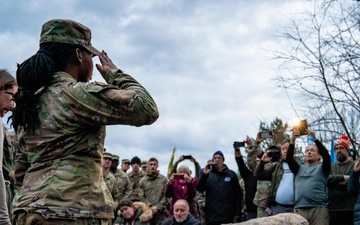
{"x": 63, "y": 175}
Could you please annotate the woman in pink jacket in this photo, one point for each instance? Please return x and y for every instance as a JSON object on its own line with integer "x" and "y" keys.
{"x": 182, "y": 186}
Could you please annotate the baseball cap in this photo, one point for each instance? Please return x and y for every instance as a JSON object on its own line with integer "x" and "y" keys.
{"x": 107, "y": 155}
{"x": 115, "y": 157}
{"x": 69, "y": 32}
{"x": 143, "y": 162}
{"x": 125, "y": 161}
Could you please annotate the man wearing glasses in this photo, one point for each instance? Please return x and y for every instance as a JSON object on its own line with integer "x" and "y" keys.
{"x": 341, "y": 204}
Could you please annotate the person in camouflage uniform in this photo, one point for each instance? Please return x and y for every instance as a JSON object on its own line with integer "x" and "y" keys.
{"x": 123, "y": 186}
{"x": 135, "y": 176}
{"x": 152, "y": 192}
{"x": 263, "y": 187}
{"x": 125, "y": 165}
{"x": 114, "y": 163}
{"x": 109, "y": 178}
{"x": 8, "y": 88}
{"x": 144, "y": 166}
{"x": 60, "y": 121}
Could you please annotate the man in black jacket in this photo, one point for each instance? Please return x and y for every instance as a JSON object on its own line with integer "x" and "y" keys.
{"x": 223, "y": 193}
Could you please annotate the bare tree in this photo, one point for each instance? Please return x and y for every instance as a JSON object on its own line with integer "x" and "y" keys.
{"x": 320, "y": 66}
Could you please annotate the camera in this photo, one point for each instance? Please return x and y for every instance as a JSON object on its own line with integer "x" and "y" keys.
{"x": 178, "y": 176}
{"x": 302, "y": 127}
{"x": 239, "y": 144}
{"x": 275, "y": 155}
{"x": 266, "y": 134}
{"x": 213, "y": 166}
{"x": 186, "y": 156}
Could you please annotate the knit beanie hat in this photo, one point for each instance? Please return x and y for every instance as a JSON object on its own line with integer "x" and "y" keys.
{"x": 135, "y": 160}
{"x": 218, "y": 152}
{"x": 344, "y": 141}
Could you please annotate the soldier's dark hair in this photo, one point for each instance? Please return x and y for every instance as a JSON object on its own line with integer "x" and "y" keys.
{"x": 33, "y": 76}
{"x": 153, "y": 159}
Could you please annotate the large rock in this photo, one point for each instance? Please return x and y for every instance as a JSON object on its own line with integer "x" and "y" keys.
{"x": 280, "y": 219}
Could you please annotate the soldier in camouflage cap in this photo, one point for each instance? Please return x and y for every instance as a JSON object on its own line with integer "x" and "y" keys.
{"x": 60, "y": 120}
{"x": 69, "y": 32}
{"x": 109, "y": 178}
{"x": 125, "y": 165}
{"x": 114, "y": 163}
{"x": 115, "y": 157}
{"x": 144, "y": 166}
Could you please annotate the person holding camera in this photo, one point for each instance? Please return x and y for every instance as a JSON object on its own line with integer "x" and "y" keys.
{"x": 281, "y": 196}
{"x": 224, "y": 195}
{"x": 311, "y": 193}
{"x": 249, "y": 180}
{"x": 262, "y": 186}
{"x": 181, "y": 186}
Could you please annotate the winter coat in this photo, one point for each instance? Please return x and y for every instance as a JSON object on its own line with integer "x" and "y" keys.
{"x": 353, "y": 188}
{"x": 143, "y": 214}
{"x": 181, "y": 189}
{"x": 190, "y": 220}
{"x": 224, "y": 195}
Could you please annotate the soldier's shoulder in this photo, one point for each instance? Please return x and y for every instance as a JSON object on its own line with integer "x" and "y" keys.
{"x": 111, "y": 176}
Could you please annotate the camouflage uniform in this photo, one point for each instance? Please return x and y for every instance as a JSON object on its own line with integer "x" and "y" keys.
{"x": 110, "y": 182}
{"x": 263, "y": 186}
{"x": 122, "y": 185}
{"x": 135, "y": 185}
{"x": 58, "y": 167}
{"x": 152, "y": 192}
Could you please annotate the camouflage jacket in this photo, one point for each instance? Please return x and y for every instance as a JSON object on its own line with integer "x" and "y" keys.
{"x": 135, "y": 185}
{"x": 58, "y": 167}
{"x": 263, "y": 187}
{"x": 110, "y": 182}
{"x": 123, "y": 187}
{"x": 152, "y": 191}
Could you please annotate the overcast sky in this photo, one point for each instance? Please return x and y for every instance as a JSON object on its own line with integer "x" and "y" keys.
{"x": 206, "y": 64}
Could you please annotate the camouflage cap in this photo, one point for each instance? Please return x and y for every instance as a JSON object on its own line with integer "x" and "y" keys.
{"x": 107, "y": 155}
{"x": 115, "y": 157}
{"x": 69, "y": 32}
{"x": 125, "y": 161}
{"x": 144, "y": 162}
